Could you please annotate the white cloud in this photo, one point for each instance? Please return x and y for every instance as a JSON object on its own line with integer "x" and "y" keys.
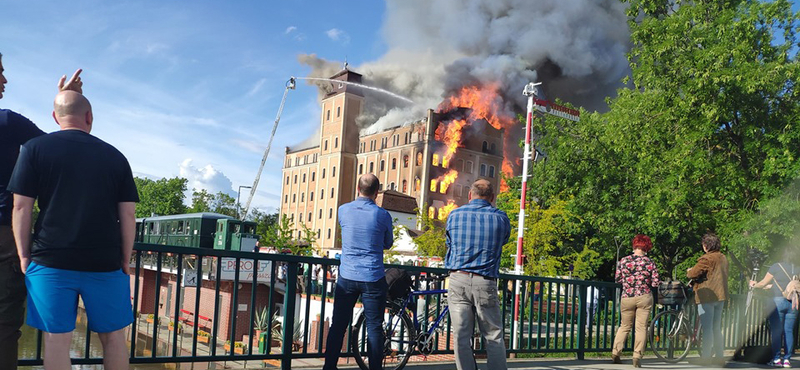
{"x": 256, "y": 87}
{"x": 336, "y": 34}
{"x": 208, "y": 178}
{"x": 289, "y": 30}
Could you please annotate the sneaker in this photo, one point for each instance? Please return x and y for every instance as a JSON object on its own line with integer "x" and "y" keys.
{"x": 786, "y": 363}
{"x": 775, "y": 363}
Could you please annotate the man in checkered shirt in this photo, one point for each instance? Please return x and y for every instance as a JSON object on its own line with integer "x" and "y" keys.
{"x": 475, "y": 236}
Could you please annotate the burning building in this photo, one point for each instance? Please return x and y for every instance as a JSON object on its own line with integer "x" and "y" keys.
{"x": 434, "y": 160}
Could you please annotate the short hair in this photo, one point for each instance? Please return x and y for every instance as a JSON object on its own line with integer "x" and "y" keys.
{"x": 368, "y": 185}
{"x": 482, "y": 188}
{"x": 711, "y": 242}
{"x": 642, "y": 242}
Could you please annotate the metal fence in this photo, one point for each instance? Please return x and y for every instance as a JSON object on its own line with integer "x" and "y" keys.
{"x": 204, "y": 305}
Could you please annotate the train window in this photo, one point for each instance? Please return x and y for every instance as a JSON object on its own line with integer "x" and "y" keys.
{"x": 180, "y": 227}
{"x": 219, "y": 227}
{"x": 237, "y": 228}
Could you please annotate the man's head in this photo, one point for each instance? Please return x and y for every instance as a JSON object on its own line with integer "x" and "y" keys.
{"x": 482, "y": 189}
{"x": 72, "y": 111}
{"x": 368, "y": 186}
{"x": 3, "y": 80}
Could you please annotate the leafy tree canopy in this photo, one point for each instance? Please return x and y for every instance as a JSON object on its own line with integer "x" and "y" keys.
{"x": 160, "y": 197}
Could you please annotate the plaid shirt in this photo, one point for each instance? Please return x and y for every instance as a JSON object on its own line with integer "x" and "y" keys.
{"x": 475, "y": 235}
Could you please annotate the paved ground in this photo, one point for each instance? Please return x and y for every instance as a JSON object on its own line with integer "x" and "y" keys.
{"x": 602, "y": 364}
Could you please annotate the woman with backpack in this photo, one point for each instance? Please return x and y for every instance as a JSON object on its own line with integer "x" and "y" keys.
{"x": 783, "y": 276}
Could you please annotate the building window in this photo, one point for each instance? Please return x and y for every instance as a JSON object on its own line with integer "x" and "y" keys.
{"x": 338, "y": 111}
{"x": 311, "y": 198}
{"x": 291, "y": 217}
{"x": 483, "y": 169}
{"x": 330, "y": 213}
{"x": 294, "y": 198}
{"x": 302, "y": 197}
{"x": 336, "y": 142}
{"x": 312, "y": 176}
{"x": 491, "y": 171}
{"x": 468, "y": 168}
{"x": 328, "y": 115}
{"x": 371, "y": 167}
{"x": 435, "y": 161}
{"x": 391, "y": 186}
{"x": 333, "y": 171}
{"x": 405, "y": 161}
{"x": 288, "y": 162}
{"x": 433, "y": 185}
{"x": 287, "y": 180}
{"x": 309, "y": 217}
{"x": 416, "y": 183}
{"x": 325, "y": 146}
{"x": 458, "y": 191}
{"x": 322, "y": 194}
{"x": 296, "y": 161}
{"x": 405, "y": 186}
{"x": 318, "y": 233}
{"x": 360, "y": 168}
{"x": 394, "y": 163}
{"x": 460, "y": 165}
{"x": 301, "y": 221}
{"x": 419, "y": 159}
{"x": 329, "y": 233}
{"x": 383, "y": 165}
{"x": 431, "y": 212}
{"x": 323, "y": 173}
{"x": 485, "y": 147}
{"x": 295, "y": 179}
{"x": 331, "y": 192}
{"x": 304, "y": 178}
{"x": 286, "y": 198}
{"x": 320, "y": 213}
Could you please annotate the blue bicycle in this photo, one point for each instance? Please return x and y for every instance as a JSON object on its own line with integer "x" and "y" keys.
{"x": 404, "y": 336}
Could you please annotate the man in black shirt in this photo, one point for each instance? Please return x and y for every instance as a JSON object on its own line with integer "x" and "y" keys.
{"x": 83, "y": 237}
{"x": 15, "y": 130}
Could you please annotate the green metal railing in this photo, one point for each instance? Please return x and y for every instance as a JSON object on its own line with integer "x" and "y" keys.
{"x": 556, "y": 315}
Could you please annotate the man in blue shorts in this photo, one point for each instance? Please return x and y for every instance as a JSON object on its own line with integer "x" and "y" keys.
{"x": 83, "y": 237}
{"x": 15, "y": 130}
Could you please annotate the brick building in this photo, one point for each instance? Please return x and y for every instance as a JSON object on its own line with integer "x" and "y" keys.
{"x": 406, "y": 158}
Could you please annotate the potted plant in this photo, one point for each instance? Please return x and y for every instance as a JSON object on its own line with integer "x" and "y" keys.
{"x": 239, "y": 348}
{"x": 260, "y": 322}
{"x": 150, "y": 318}
{"x": 227, "y": 346}
{"x": 202, "y": 336}
{"x": 172, "y": 326}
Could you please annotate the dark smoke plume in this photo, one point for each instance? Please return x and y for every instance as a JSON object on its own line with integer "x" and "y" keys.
{"x": 575, "y": 47}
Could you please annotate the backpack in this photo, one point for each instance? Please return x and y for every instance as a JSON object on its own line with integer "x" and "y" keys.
{"x": 399, "y": 282}
{"x": 792, "y": 290}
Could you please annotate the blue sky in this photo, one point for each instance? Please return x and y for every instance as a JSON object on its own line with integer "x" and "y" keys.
{"x": 185, "y": 88}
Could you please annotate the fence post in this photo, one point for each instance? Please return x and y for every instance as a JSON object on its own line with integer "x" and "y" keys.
{"x": 288, "y": 315}
{"x": 582, "y": 322}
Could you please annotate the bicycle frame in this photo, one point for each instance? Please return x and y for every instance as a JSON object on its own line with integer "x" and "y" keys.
{"x": 412, "y": 296}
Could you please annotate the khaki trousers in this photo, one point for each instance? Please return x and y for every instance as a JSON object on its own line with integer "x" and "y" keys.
{"x": 637, "y": 308}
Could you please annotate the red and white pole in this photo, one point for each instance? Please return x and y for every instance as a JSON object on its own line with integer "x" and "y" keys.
{"x": 530, "y": 91}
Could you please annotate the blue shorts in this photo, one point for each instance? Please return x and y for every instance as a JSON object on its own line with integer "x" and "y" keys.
{"x": 53, "y": 299}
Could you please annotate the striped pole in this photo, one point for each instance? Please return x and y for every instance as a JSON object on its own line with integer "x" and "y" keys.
{"x": 530, "y": 91}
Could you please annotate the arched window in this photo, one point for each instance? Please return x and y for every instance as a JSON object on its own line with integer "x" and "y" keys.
{"x": 394, "y": 163}
{"x": 323, "y": 173}
{"x": 419, "y": 158}
{"x": 483, "y": 169}
{"x": 333, "y": 171}
{"x": 329, "y": 233}
{"x": 304, "y": 178}
{"x": 286, "y": 198}
{"x": 405, "y": 161}
{"x": 294, "y": 198}
{"x": 295, "y": 179}
{"x": 330, "y": 213}
{"x": 405, "y": 186}
{"x": 320, "y": 213}
{"x": 371, "y": 167}
{"x": 485, "y": 147}
{"x": 311, "y": 198}
{"x": 326, "y": 145}
{"x": 312, "y": 176}
{"x": 383, "y": 165}
{"x": 338, "y": 111}
{"x": 391, "y": 186}
{"x": 287, "y": 180}
{"x": 336, "y": 142}
{"x": 491, "y": 171}
{"x": 302, "y": 197}
{"x": 322, "y": 194}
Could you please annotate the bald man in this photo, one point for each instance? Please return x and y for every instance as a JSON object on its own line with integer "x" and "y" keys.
{"x": 475, "y": 234}
{"x": 15, "y": 130}
{"x": 83, "y": 236}
{"x": 366, "y": 233}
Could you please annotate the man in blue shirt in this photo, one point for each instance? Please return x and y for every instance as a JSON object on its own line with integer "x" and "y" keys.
{"x": 15, "y": 130}
{"x": 366, "y": 232}
{"x": 475, "y": 235}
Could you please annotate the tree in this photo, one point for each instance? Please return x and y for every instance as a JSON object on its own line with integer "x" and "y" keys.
{"x": 263, "y": 221}
{"x": 279, "y": 235}
{"x": 203, "y": 201}
{"x": 431, "y": 243}
{"x": 705, "y": 136}
{"x": 160, "y": 197}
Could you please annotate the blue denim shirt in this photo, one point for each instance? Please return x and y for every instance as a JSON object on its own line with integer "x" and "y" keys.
{"x": 475, "y": 235}
{"x": 366, "y": 232}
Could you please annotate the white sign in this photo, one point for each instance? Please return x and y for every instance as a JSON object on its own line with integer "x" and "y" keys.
{"x": 242, "y": 306}
{"x": 190, "y": 278}
{"x": 228, "y": 270}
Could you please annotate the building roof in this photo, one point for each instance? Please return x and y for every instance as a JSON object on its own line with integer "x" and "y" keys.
{"x": 391, "y": 200}
{"x": 207, "y": 215}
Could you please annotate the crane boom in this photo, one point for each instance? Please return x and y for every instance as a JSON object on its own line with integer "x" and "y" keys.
{"x": 289, "y": 86}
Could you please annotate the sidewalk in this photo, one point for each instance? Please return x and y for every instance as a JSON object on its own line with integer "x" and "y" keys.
{"x": 589, "y": 364}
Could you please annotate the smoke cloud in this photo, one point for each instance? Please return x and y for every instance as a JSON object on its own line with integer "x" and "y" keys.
{"x": 575, "y": 47}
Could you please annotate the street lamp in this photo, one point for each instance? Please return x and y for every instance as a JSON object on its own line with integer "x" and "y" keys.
{"x": 238, "y": 195}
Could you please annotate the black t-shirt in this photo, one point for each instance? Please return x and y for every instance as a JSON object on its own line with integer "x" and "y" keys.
{"x": 79, "y": 181}
{"x": 782, "y": 278}
{"x": 15, "y": 130}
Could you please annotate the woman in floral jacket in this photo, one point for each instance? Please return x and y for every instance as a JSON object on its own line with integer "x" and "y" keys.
{"x": 638, "y": 274}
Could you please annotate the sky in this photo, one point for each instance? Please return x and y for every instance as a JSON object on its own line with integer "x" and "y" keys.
{"x": 185, "y": 88}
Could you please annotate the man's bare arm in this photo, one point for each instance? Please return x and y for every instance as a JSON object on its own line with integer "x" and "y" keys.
{"x": 21, "y": 219}
{"x": 75, "y": 84}
{"x": 127, "y": 224}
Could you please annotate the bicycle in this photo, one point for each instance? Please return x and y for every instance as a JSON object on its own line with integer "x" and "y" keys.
{"x": 668, "y": 334}
{"x": 403, "y": 337}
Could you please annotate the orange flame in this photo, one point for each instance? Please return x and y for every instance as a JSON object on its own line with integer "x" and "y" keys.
{"x": 444, "y": 211}
{"x": 446, "y": 180}
{"x": 485, "y": 103}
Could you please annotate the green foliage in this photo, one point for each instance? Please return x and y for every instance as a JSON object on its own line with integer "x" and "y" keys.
{"x": 431, "y": 243}
{"x": 160, "y": 197}
{"x": 707, "y": 136}
{"x": 263, "y": 221}
{"x": 280, "y": 236}
{"x": 203, "y": 201}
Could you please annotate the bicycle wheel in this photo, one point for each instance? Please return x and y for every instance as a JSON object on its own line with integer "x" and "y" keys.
{"x": 669, "y": 337}
{"x": 398, "y": 345}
